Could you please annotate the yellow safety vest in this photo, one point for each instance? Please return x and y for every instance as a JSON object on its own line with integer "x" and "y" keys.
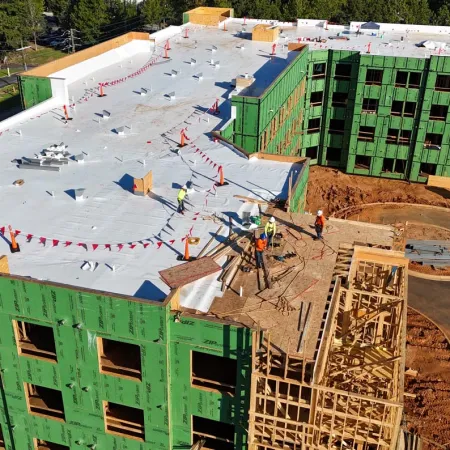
{"x": 271, "y": 228}
{"x": 181, "y": 194}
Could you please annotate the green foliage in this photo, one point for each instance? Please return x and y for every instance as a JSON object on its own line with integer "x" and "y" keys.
{"x": 152, "y": 11}
{"x": 88, "y": 17}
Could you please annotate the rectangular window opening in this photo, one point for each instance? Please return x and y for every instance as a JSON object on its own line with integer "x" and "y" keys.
{"x": 40, "y": 444}
{"x": 405, "y": 137}
{"x": 44, "y": 402}
{"x": 214, "y": 372}
{"x": 410, "y": 109}
{"x": 369, "y": 105}
{"x": 433, "y": 140}
{"x": 388, "y": 165}
{"x": 316, "y": 98}
{"x": 124, "y": 421}
{"x": 438, "y": 112}
{"x": 414, "y": 80}
{"x": 119, "y": 359}
{"x": 396, "y": 108}
{"x": 337, "y": 126}
{"x": 312, "y": 152}
{"x": 334, "y": 154}
{"x": 319, "y": 70}
{"x": 339, "y": 99}
{"x": 366, "y": 134}
{"x": 313, "y": 126}
{"x": 362, "y": 162}
{"x": 392, "y": 136}
{"x": 442, "y": 83}
{"x": 343, "y": 71}
{"x": 374, "y": 77}
{"x": 34, "y": 340}
{"x": 217, "y": 435}
{"x": 427, "y": 169}
{"x": 399, "y": 166}
{"x": 401, "y": 80}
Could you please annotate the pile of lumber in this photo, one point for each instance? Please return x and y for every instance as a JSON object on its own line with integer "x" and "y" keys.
{"x": 429, "y": 253}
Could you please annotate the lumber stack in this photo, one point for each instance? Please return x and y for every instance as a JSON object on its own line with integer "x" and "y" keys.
{"x": 429, "y": 253}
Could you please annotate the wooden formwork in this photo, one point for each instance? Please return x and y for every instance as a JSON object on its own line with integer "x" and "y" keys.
{"x": 265, "y": 33}
{"x": 142, "y": 186}
{"x": 351, "y": 395}
{"x": 209, "y": 16}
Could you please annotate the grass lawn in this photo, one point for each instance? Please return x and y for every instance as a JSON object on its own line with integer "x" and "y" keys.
{"x": 32, "y": 58}
{"x": 4, "y": 72}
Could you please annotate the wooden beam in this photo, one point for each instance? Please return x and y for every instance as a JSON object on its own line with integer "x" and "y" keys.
{"x": 251, "y": 200}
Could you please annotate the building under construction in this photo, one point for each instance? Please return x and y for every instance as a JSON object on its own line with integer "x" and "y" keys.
{"x": 127, "y": 325}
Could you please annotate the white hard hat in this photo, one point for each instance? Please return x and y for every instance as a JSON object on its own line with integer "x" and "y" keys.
{"x": 184, "y": 187}
{"x": 272, "y": 220}
{"x": 320, "y": 212}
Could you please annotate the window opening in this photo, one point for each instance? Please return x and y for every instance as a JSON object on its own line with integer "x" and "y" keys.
{"x": 343, "y": 71}
{"x": 401, "y": 80}
{"x": 316, "y": 98}
{"x": 366, "y": 134}
{"x": 313, "y": 126}
{"x": 312, "y": 152}
{"x": 369, "y": 105}
{"x": 438, "y": 112}
{"x": 339, "y": 99}
{"x": 433, "y": 140}
{"x": 33, "y": 340}
{"x": 319, "y": 70}
{"x": 337, "y": 126}
{"x": 374, "y": 77}
{"x": 124, "y": 420}
{"x": 442, "y": 83}
{"x": 333, "y": 154}
{"x": 362, "y": 162}
{"x": 40, "y": 444}
{"x": 427, "y": 169}
{"x": 44, "y": 401}
{"x": 217, "y": 435}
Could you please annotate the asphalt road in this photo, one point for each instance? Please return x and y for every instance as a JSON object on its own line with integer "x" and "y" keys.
{"x": 431, "y": 298}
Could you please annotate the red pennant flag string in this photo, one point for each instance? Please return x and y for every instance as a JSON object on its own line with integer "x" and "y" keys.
{"x": 2, "y": 230}
{"x": 94, "y": 246}
{"x": 17, "y": 232}
{"x": 215, "y": 165}
{"x": 82, "y": 244}
{"x": 190, "y": 230}
{"x": 146, "y": 244}
{"x": 159, "y": 245}
{"x": 108, "y": 246}
{"x": 183, "y": 239}
{"x": 132, "y": 246}
{"x": 42, "y": 240}
{"x": 196, "y": 214}
{"x": 120, "y": 246}
{"x": 67, "y": 243}
{"x": 172, "y": 242}
{"x": 29, "y": 237}
{"x": 55, "y": 242}
{"x": 207, "y": 159}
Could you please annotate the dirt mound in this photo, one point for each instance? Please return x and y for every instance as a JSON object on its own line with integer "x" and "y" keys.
{"x": 427, "y": 352}
{"x": 332, "y": 190}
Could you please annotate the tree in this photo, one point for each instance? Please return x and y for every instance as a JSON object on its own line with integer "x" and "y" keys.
{"x": 13, "y": 29}
{"x": 442, "y": 17}
{"x": 61, "y": 9}
{"x": 88, "y": 16}
{"x": 33, "y": 10}
{"x": 152, "y": 11}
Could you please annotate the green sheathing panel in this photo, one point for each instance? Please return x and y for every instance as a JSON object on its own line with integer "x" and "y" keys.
{"x": 272, "y": 122}
{"x": 78, "y": 318}
{"x": 34, "y": 90}
{"x": 299, "y": 190}
{"x": 228, "y": 130}
{"x": 215, "y": 338}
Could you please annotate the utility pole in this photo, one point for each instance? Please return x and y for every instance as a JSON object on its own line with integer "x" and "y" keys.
{"x": 72, "y": 40}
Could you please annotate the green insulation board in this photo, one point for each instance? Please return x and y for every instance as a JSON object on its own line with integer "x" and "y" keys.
{"x": 34, "y": 90}
{"x": 164, "y": 395}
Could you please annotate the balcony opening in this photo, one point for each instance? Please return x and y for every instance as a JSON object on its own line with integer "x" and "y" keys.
{"x": 438, "y": 112}
{"x": 433, "y": 140}
{"x": 343, "y": 71}
{"x": 410, "y": 109}
{"x": 36, "y": 341}
{"x": 313, "y": 126}
{"x": 339, "y": 99}
{"x": 119, "y": 359}
{"x": 414, "y": 80}
{"x": 44, "y": 402}
{"x": 366, "y": 134}
{"x": 337, "y": 126}
{"x": 312, "y": 152}
{"x": 40, "y": 444}
{"x": 392, "y": 136}
{"x": 369, "y": 105}
{"x": 442, "y": 83}
{"x": 362, "y": 162}
{"x": 316, "y": 98}
{"x": 319, "y": 70}
{"x": 124, "y": 421}
{"x": 405, "y": 137}
{"x": 213, "y": 372}
{"x": 396, "y": 108}
{"x": 427, "y": 169}
{"x": 401, "y": 80}
{"x": 374, "y": 77}
{"x": 217, "y": 435}
{"x": 334, "y": 154}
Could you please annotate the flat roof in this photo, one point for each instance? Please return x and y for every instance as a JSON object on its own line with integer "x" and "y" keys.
{"x": 44, "y": 206}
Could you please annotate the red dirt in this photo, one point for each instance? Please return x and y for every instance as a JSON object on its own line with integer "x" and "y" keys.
{"x": 332, "y": 190}
{"x": 428, "y": 352}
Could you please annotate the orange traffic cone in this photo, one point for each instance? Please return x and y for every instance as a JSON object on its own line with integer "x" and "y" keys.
{"x": 66, "y": 113}
{"x": 186, "y": 250}
{"x": 222, "y": 181}
{"x": 274, "y": 48}
{"x": 186, "y": 33}
{"x": 101, "y": 94}
{"x": 168, "y": 45}
{"x": 14, "y": 246}
{"x": 216, "y": 110}
{"x": 182, "y": 143}
{"x": 225, "y": 26}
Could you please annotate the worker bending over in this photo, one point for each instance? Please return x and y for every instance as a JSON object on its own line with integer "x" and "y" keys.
{"x": 181, "y": 196}
{"x": 261, "y": 244}
{"x": 319, "y": 224}
{"x": 270, "y": 229}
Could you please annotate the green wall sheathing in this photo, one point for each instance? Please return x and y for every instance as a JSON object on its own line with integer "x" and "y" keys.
{"x": 299, "y": 190}
{"x": 164, "y": 394}
{"x": 255, "y": 116}
{"x": 34, "y": 90}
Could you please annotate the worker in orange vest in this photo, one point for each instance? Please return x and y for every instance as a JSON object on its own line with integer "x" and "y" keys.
{"x": 319, "y": 224}
{"x": 260, "y": 246}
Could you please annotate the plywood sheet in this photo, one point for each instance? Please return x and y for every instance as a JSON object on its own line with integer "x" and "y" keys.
{"x": 443, "y": 182}
{"x": 4, "y": 267}
{"x": 189, "y": 272}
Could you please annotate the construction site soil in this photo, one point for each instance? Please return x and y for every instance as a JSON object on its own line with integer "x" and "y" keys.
{"x": 428, "y": 353}
{"x": 332, "y": 191}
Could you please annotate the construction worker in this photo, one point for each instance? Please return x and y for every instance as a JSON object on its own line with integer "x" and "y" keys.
{"x": 319, "y": 224}
{"x": 260, "y": 246}
{"x": 181, "y": 196}
{"x": 270, "y": 229}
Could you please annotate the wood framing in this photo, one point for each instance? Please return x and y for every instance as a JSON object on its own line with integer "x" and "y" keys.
{"x": 351, "y": 395}
{"x": 142, "y": 186}
{"x": 265, "y": 33}
{"x": 4, "y": 266}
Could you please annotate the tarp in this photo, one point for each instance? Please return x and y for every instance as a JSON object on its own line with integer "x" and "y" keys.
{"x": 370, "y": 26}
{"x": 432, "y": 45}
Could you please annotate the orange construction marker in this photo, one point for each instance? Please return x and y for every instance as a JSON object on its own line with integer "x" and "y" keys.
{"x": 186, "y": 250}
{"x": 14, "y": 246}
{"x": 222, "y": 181}
{"x": 225, "y": 26}
{"x": 66, "y": 113}
{"x": 102, "y": 94}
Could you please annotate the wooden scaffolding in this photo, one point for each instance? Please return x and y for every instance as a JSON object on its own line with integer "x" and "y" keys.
{"x": 351, "y": 395}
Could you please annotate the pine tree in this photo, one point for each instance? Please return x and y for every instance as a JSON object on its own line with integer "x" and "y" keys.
{"x": 152, "y": 11}
{"x": 88, "y": 17}
{"x": 33, "y": 17}
{"x": 442, "y": 17}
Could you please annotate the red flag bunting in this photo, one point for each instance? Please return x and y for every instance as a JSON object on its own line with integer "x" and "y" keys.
{"x": 195, "y": 218}
{"x": 67, "y": 243}
{"x": 94, "y": 246}
{"x": 219, "y": 169}
{"x": 215, "y": 165}
{"x": 190, "y": 230}
{"x": 29, "y": 237}
{"x": 172, "y": 241}
{"x": 17, "y": 232}
{"x": 183, "y": 239}
{"x": 132, "y": 246}
{"x": 196, "y": 214}
{"x": 207, "y": 159}
{"x": 2, "y": 230}
{"x": 159, "y": 245}
{"x": 120, "y": 246}
{"x": 197, "y": 150}
{"x": 146, "y": 244}
{"x": 108, "y": 246}
{"x": 42, "y": 240}
{"x": 82, "y": 244}
{"x": 55, "y": 242}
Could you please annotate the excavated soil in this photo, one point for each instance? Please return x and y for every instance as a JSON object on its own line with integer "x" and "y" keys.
{"x": 427, "y": 352}
{"x": 332, "y": 190}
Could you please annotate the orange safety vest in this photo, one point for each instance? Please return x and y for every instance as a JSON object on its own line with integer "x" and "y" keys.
{"x": 320, "y": 221}
{"x": 260, "y": 245}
